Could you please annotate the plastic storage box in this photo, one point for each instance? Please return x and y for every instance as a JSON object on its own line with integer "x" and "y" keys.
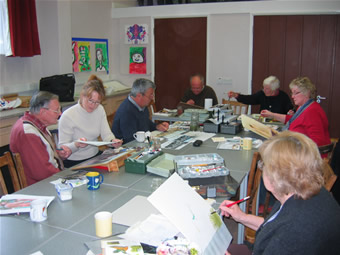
{"x": 162, "y": 165}
{"x": 64, "y": 191}
{"x": 207, "y": 173}
{"x": 137, "y": 162}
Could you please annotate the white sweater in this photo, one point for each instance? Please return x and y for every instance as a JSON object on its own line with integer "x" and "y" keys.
{"x": 76, "y": 123}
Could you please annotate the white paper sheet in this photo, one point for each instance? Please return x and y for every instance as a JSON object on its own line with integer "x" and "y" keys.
{"x": 136, "y": 210}
{"x": 191, "y": 214}
{"x": 95, "y": 143}
{"x": 153, "y": 231}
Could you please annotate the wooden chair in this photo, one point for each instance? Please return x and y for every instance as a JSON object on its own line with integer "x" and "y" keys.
{"x": 327, "y": 149}
{"x": 152, "y": 109}
{"x": 16, "y": 171}
{"x": 254, "y": 179}
{"x": 238, "y": 108}
{"x": 328, "y": 176}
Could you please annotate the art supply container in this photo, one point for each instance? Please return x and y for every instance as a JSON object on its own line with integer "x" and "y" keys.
{"x": 64, "y": 191}
{"x": 194, "y": 122}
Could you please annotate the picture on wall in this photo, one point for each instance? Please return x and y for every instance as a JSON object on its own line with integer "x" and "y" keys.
{"x": 75, "y": 56}
{"x": 137, "y": 60}
{"x": 136, "y": 34}
{"x": 81, "y": 54}
{"x": 101, "y": 58}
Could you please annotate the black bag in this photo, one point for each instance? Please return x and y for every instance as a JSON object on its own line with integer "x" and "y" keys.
{"x": 61, "y": 85}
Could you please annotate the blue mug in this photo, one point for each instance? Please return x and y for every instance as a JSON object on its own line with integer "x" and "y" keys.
{"x": 95, "y": 179}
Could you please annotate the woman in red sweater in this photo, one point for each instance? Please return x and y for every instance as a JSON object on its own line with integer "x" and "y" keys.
{"x": 309, "y": 119}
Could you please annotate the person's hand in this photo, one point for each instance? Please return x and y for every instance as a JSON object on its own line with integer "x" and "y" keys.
{"x": 164, "y": 126}
{"x": 233, "y": 211}
{"x": 227, "y": 253}
{"x": 190, "y": 101}
{"x": 290, "y": 112}
{"x": 116, "y": 143}
{"x": 232, "y": 94}
{"x": 64, "y": 152}
{"x": 81, "y": 145}
{"x": 266, "y": 113}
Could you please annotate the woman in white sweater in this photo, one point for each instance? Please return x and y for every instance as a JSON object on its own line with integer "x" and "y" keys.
{"x": 85, "y": 121}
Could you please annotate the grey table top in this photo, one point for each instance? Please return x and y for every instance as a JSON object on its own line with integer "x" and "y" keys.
{"x": 71, "y": 223}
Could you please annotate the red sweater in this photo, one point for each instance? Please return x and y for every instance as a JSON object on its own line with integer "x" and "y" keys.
{"x": 313, "y": 123}
{"x": 36, "y": 153}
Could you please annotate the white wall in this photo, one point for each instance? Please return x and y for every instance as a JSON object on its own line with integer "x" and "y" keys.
{"x": 229, "y": 52}
{"x": 59, "y": 21}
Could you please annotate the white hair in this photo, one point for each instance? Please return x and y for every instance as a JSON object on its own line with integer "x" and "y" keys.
{"x": 273, "y": 82}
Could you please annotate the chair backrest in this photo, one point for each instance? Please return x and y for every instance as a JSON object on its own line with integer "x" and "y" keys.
{"x": 238, "y": 108}
{"x": 328, "y": 176}
{"x": 327, "y": 149}
{"x": 17, "y": 176}
{"x": 152, "y": 108}
{"x": 254, "y": 178}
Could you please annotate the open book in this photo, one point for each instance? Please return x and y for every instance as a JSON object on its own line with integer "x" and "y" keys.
{"x": 257, "y": 127}
{"x": 16, "y": 203}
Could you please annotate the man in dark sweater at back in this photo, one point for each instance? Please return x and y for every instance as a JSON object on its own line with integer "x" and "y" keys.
{"x": 133, "y": 114}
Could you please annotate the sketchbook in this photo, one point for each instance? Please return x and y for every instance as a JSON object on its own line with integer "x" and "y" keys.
{"x": 17, "y": 203}
{"x": 110, "y": 159}
{"x": 257, "y": 127}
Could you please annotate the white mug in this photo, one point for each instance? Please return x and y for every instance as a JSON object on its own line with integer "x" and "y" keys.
{"x": 38, "y": 211}
{"x": 139, "y": 136}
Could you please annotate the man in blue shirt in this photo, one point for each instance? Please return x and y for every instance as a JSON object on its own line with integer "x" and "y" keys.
{"x": 133, "y": 114}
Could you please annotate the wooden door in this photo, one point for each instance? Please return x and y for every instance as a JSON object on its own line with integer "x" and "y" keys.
{"x": 302, "y": 45}
{"x": 180, "y": 51}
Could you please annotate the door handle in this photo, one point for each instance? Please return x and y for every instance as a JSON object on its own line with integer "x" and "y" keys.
{"x": 319, "y": 98}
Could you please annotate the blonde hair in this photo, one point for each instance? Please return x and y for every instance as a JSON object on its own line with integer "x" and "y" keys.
{"x": 272, "y": 81}
{"x": 93, "y": 84}
{"x": 305, "y": 85}
{"x": 293, "y": 164}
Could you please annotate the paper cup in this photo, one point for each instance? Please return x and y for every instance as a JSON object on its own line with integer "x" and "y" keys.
{"x": 208, "y": 103}
{"x": 247, "y": 143}
{"x": 103, "y": 221}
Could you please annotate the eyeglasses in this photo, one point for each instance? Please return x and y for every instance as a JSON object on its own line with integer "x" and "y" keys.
{"x": 93, "y": 102}
{"x": 151, "y": 96}
{"x": 55, "y": 111}
{"x": 295, "y": 93}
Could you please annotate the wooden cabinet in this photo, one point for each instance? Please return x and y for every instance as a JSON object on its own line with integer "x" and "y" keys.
{"x": 5, "y": 129}
{"x": 111, "y": 104}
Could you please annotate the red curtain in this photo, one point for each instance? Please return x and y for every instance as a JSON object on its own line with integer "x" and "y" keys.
{"x": 23, "y": 28}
